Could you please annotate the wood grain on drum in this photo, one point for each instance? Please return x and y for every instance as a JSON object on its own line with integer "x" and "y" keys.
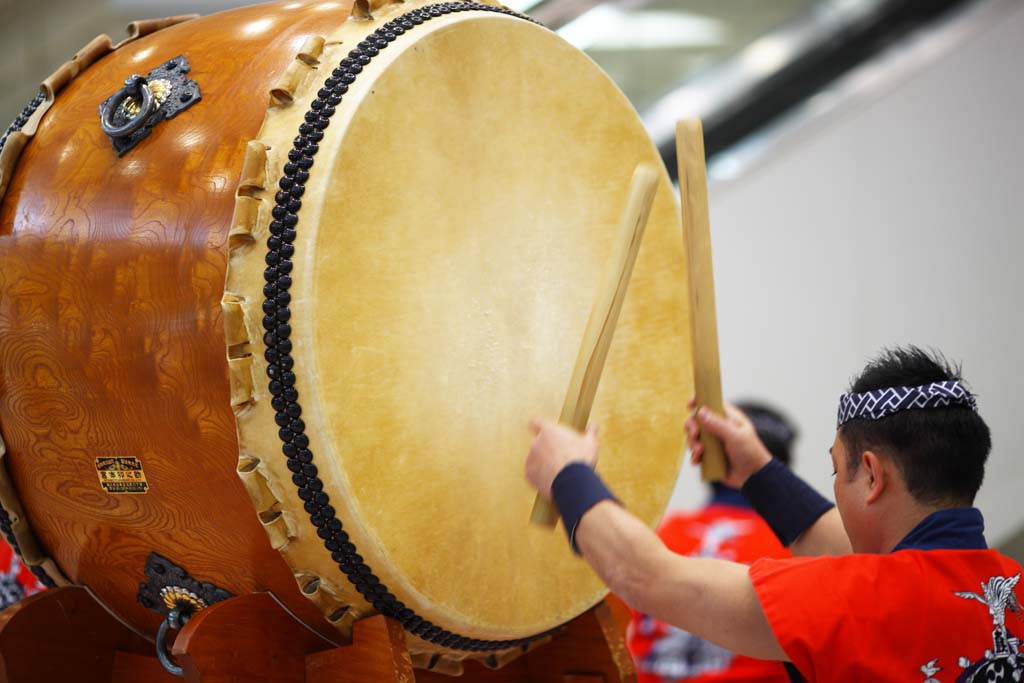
{"x": 111, "y": 276}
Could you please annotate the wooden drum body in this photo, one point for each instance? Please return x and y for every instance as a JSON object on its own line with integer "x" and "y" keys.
{"x": 395, "y": 223}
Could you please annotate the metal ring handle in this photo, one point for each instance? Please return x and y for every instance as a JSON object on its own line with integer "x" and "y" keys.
{"x": 135, "y": 87}
{"x": 172, "y": 622}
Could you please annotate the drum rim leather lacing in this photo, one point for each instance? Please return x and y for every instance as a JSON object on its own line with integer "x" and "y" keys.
{"x": 280, "y": 250}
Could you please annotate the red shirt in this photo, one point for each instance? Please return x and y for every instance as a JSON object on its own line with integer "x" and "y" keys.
{"x": 664, "y": 653}
{"x": 924, "y": 616}
{"x": 16, "y": 581}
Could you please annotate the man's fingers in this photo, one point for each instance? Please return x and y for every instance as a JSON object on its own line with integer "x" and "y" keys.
{"x": 716, "y": 424}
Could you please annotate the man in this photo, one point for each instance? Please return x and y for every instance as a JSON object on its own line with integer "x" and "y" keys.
{"x": 726, "y": 527}
{"x": 922, "y": 599}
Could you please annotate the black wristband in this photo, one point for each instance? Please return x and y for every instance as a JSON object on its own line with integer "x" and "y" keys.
{"x": 576, "y": 489}
{"x": 784, "y": 500}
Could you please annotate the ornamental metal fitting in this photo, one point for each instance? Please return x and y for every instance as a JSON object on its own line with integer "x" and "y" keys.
{"x": 129, "y": 115}
{"x": 171, "y": 588}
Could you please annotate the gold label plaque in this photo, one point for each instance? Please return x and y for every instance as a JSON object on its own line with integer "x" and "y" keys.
{"x": 121, "y": 475}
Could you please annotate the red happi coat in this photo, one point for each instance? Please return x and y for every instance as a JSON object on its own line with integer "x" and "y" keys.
{"x": 664, "y": 653}
{"x": 16, "y": 581}
{"x": 913, "y": 616}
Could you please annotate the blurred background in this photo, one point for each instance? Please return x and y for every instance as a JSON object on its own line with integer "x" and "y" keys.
{"x": 866, "y": 182}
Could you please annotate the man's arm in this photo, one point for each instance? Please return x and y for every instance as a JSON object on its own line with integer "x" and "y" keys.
{"x": 827, "y": 536}
{"x": 711, "y": 598}
{"x": 747, "y": 457}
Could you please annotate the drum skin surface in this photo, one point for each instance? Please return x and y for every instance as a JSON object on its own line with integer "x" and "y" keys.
{"x": 111, "y": 277}
{"x": 454, "y": 226}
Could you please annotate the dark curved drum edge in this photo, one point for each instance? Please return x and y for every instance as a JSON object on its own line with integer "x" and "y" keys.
{"x": 280, "y": 250}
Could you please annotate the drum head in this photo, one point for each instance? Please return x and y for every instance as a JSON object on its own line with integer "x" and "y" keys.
{"x": 453, "y": 232}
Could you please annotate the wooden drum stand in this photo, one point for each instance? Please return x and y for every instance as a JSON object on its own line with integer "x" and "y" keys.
{"x": 65, "y": 636}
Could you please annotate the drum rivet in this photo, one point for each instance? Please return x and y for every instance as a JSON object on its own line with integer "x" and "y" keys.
{"x": 185, "y": 97}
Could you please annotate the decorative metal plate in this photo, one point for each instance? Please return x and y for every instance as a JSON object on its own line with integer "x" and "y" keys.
{"x": 128, "y": 116}
{"x": 171, "y": 587}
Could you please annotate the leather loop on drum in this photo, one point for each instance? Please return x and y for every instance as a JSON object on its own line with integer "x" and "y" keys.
{"x": 143, "y": 27}
{"x": 248, "y": 214}
{"x": 254, "y": 168}
{"x": 365, "y": 9}
{"x": 240, "y": 374}
{"x": 235, "y": 330}
{"x": 288, "y": 84}
{"x": 328, "y": 598}
{"x": 255, "y": 482}
{"x": 279, "y": 531}
{"x": 311, "y": 50}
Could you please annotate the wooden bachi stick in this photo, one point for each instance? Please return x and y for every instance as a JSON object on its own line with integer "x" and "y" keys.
{"x": 603, "y": 316}
{"x": 693, "y": 190}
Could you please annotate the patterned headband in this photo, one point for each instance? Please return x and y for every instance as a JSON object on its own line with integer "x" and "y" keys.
{"x": 874, "y": 405}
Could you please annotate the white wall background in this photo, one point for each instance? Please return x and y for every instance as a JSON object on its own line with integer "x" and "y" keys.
{"x": 901, "y": 221}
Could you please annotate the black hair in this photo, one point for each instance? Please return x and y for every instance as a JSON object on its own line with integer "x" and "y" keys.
{"x": 775, "y": 430}
{"x": 940, "y": 452}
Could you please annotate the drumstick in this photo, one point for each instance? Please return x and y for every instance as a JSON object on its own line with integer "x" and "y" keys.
{"x": 693, "y": 191}
{"x": 603, "y": 316}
